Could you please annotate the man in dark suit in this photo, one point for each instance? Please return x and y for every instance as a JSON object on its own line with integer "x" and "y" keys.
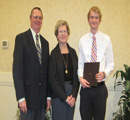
{"x": 30, "y": 70}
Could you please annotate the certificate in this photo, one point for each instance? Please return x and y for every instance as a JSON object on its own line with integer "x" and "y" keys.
{"x": 90, "y": 70}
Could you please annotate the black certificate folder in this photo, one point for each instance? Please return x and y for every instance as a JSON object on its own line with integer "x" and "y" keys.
{"x": 90, "y": 70}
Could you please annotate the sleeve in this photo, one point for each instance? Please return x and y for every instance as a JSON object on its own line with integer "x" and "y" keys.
{"x": 18, "y": 68}
{"x": 109, "y": 64}
{"x": 81, "y": 61}
{"x": 75, "y": 76}
{"x": 53, "y": 79}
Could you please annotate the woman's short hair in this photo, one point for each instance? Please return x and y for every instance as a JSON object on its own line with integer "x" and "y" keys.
{"x": 96, "y": 10}
{"x": 61, "y": 23}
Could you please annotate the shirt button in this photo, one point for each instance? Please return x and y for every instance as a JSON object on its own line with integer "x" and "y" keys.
{"x": 40, "y": 84}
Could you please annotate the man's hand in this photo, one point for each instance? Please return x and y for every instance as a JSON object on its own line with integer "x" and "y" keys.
{"x": 23, "y": 106}
{"x": 84, "y": 82}
{"x": 48, "y": 104}
{"x": 100, "y": 76}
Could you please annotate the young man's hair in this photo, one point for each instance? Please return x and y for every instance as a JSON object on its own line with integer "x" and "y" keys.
{"x": 96, "y": 10}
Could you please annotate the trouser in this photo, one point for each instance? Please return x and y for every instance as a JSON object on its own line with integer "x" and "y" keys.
{"x": 38, "y": 114}
{"x": 61, "y": 110}
{"x": 93, "y": 102}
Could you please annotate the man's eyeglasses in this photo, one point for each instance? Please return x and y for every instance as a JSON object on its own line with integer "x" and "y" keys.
{"x": 37, "y": 17}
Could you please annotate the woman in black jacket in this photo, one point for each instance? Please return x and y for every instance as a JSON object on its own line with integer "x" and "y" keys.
{"x": 63, "y": 77}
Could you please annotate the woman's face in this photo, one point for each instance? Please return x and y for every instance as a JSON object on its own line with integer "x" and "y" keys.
{"x": 62, "y": 34}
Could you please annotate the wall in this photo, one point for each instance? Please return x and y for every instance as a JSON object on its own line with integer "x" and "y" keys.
{"x": 14, "y": 16}
{"x": 8, "y": 102}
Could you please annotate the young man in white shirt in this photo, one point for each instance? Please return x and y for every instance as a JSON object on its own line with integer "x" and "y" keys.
{"x": 93, "y": 99}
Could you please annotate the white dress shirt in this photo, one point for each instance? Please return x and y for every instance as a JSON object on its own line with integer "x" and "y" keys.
{"x": 104, "y": 53}
{"x": 34, "y": 37}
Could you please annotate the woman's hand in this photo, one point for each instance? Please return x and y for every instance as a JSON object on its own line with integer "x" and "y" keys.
{"x": 70, "y": 100}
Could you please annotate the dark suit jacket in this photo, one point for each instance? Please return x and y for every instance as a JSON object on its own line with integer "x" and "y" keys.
{"x": 27, "y": 71}
{"x": 56, "y": 74}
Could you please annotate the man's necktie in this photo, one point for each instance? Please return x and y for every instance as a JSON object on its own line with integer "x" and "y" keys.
{"x": 38, "y": 49}
{"x": 94, "y": 50}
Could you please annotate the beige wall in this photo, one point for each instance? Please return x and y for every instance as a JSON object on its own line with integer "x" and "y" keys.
{"x": 14, "y": 17}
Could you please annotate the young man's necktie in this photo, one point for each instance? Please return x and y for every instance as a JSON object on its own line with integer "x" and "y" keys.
{"x": 94, "y": 50}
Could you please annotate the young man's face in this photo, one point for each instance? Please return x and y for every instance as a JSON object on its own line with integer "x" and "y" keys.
{"x": 94, "y": 20}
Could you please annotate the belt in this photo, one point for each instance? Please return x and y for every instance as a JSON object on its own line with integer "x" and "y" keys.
{"x": 99, "y": 84}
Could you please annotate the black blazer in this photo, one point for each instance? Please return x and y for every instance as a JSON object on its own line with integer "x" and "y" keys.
{"x": 56, "y": 73}
{"x": 27, "y": 71}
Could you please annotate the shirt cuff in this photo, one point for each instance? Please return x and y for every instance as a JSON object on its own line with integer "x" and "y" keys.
{"x": 104, "y": 74}
{"x": 20, "y": 100}
{"x": 49, "y": 98}
{"x": 80, "y": 76}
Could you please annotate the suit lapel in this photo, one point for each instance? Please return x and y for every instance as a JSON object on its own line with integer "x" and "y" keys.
{"x": 43, "y": 47}
{"x": 32, "y": 45}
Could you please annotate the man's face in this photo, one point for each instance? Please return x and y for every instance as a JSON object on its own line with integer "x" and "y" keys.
{"x": 94, "y": 20}
{"x": 36, "y": 20}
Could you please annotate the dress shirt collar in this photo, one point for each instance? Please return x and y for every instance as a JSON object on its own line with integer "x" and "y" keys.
{"x": 34, "y": 36}
{"x": 91, "y": 35}
{"x": 33, "y": 33}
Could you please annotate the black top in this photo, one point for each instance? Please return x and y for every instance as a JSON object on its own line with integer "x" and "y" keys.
{"x": 56, "y": 73}
{"x": 68, "y": 76}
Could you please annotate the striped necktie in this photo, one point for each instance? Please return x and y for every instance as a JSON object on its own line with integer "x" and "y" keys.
{"x": 94, "y": 50}
{"x": 38, "y": 49}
